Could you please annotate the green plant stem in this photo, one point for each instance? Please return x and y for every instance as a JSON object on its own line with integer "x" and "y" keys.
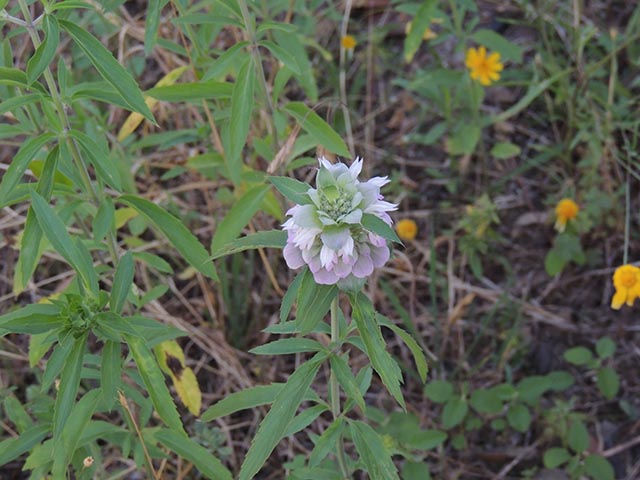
{"x": 343, "y": 77}
{"x": 64, "y": 120}
{"x": 335, "y": 389}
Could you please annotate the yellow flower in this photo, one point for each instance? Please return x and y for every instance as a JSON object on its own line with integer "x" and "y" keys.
{"x": 482, "y": 67}
{"x": 566, "y": 210}
{"x": 407, "y": 229}
{"x": 348, "y": 42}
{"x": 626, "y": 280}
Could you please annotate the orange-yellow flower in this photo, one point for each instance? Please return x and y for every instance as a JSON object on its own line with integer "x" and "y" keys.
{"x": 626, "y": 280}
{"x": 566, "y": 210}
{"x": 482, "y": 67}
{"x": 348, "y": 42}
{"x": 407, "y": 229}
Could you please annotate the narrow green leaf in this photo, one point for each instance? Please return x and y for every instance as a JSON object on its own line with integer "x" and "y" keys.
{"x": 154, "y": 381}
{"x": 17, "y": 414}
{"x": 286, "y": 346}
{"x": 419, "y": 24}
{"x": 109, "y": 68}
{"x": 277, "y": 420}
{"x": 326, "y": 442}
{"x": 373, "y": 452}
{"x": 262, "y": 239}
{"x": 57, "y": 360}
{"x": 45, "y": 53}
{"x": 34, "y": 318}
{"x": 69, "y": 383}
{"x": 151, "y": 25}
{"x": 15, "y": 103}
{"x": 104, "y": 221}
{"x": 202, "y": 459}
{"x": 281, "y": 54}
{"x": 314, "y": 302}
{"x": 238, "y": 217}
{"x": 248, "y": 398}
{"x": 56, "y": 232}
{"x": 305, "y": 418}
{"x": 409, "y": 341}
{"x": 242, "y": 104}
{"x": 292, "y": 189}
{"x": 122, "y": 282}
{"x": 317, "y": 128}
{"x": 19, "y": 164}
{"x": 378, "y": 226}
{"x": 12, "y": 448}
{"x": 492, "y": 40}
{"x": 291, "y": 295}
{"x": 110, "y": 371}
{"x": 99, "y": 158}
{"x": 382, "y": 362}
{"x": 179, "y": 236}
{"x": 185, "y": 92}
{"x": 67, "y": 4}
{"x": 18, "y": 78}
{"x": 283, "y": 27}
{"x": 345, "y": 377}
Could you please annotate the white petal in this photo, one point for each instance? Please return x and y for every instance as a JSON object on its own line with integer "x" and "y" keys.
{"x": 355, "y": 168}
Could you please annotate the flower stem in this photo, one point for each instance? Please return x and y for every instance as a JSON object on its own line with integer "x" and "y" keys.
{"x": 335, "y": 389}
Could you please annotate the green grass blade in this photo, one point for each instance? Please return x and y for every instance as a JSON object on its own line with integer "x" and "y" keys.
{"x": 242, "y": 104}
{"x": 317, "y": 128}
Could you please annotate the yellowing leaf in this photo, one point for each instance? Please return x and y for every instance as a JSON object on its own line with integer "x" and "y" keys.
{"x": 134, "y": 119}
{"x": 123, "y": 215}
{"x": 171, "y": 359}
{"x": 37, "y": 166}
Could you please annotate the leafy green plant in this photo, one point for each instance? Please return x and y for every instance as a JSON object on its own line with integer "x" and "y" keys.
{"x": 607, "y": 379}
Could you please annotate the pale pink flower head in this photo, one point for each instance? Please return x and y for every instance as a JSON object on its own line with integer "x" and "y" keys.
{"x": 329, "y": 235}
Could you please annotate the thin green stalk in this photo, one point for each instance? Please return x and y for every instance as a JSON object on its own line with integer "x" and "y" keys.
{"x": 343, "y": 78}
{"x": 335, "y": 389}
{"x": 627, "y": 220}
{"x": 64, "y": 120}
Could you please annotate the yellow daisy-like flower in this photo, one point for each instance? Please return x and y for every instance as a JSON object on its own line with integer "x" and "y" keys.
{"x": 407, "y": 229}
{"x": 566, "y": 210}
{"x": 348, "y": 42}
{"x": 626, "y": 280}
{"x": 484, "y": 68}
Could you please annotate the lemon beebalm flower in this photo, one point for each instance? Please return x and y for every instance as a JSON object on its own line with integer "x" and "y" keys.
{"x": 407, "y": 229}
{"x": 482, "y": 67}
{"x": 348, "y": 42}
{"x": 566, "y": 210}
{"x": 626, "y": 280}
{"x": 328, "y": 234}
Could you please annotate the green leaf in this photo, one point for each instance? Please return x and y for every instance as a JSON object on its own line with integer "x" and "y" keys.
{"x": 578, "y": 436}
{"x": 347, "y": 380}
{"x": 531, "y": 388}
{"x": 438, "y": 391}
{"x": 419, "y": 24}
{"x": 277, "y": 420}
{"x": 415, "y": 471}
{"x": 16, "y": 77}
{"x": 505, "y": 150}
{"x": 238, "y": 217}
{"x": 605, "y": 347}
{"x": 454, "y": 412}
{"x": 314, "y": 301}
{"x": 104, "y": 221}
{"x": 304, "y": 419}
{"x": 110, "y": 371}
{"x": 373, "y": 453}
{"x": 427, "y": 439}
{"x": 382, "y": 362}
{"x": 519, "y": 417}
{"x": 288, "y": 345}
{"x": 19, "y": 164}
{"x": 509, "y": 52}
{"x": 599, "y": 468}
{"x": 202, "y": 459}
{"x": 290, "y": 296}
{"x": 378, "y": 226}
{"x": 16, "y": 413}
{"x": 65, "y": 445}
{"x": 262, "y": 239}
{"x": 608, "y": 382}
{"x": 45, "y": 53}
{"x": 56, "y": 232}
{"x": 242, "y": 103}
{"x": 122, "y": 282}
{"x": 554, "y": 457}
{"x": 34, "y": 318}
{"x": 464, "y": 139}
{"x": 99, "y": 158}
{"x": 416, "y": 350}
{"x": 69, "y": 383}
{"x": 317, "y": 128}
{"x": 109, "y": 68}
{"x": 486, "y": 401}
{"x": 12, "y": 448}
{"x": 193, "y": 91}
{"x": 578, "y": 356}
{"x": 292, "y": 189}
{"x": 154, "y": 261}
{"x": 179, "y": 236}
{"x": 326, "y": 442}
{"x": 154, "y": 381}
{"x": 283, "y": 27}
{"x": 554, "y": 263}
{"x": 281, "y": 54}
{"x": 249, "y": 398}
{"x": 151, "y": 24}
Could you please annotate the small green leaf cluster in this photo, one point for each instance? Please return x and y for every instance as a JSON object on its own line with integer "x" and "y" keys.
{"x": 607, "y": 379}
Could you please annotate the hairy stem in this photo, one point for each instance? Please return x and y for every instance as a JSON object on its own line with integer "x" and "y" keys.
{"x": 335, "y": 389}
